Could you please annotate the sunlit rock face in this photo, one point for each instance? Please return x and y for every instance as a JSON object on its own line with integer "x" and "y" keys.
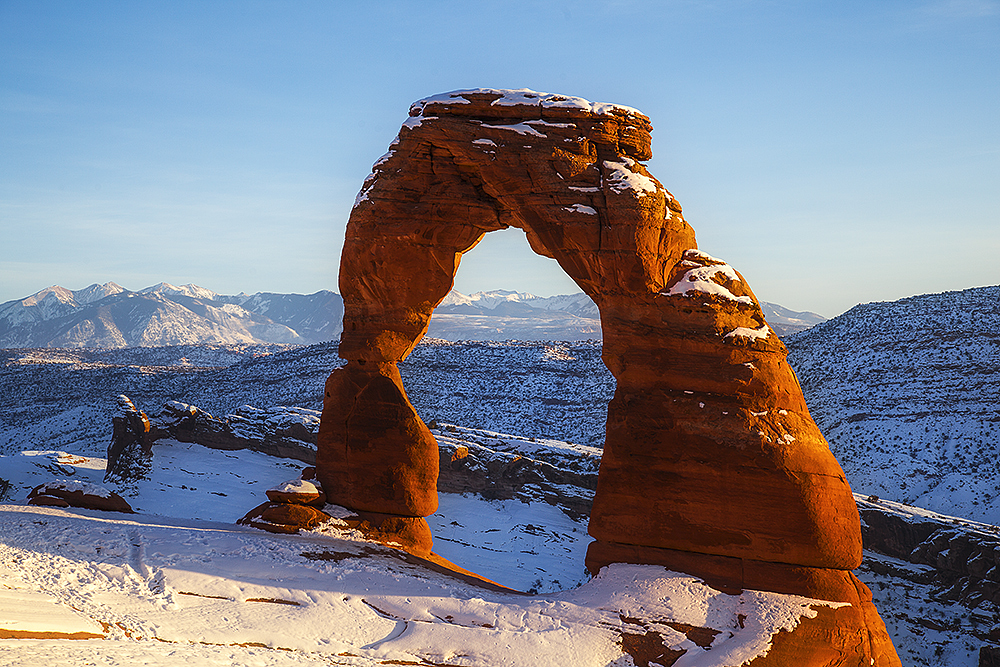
{"x": 712, "y": 464}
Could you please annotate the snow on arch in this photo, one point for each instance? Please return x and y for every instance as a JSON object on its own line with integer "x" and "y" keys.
{"x": 524, "y": 97}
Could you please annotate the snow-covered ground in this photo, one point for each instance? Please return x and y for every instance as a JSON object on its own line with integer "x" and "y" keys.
{"x": 180, "y": 583}
{"x": 54, "y": 401}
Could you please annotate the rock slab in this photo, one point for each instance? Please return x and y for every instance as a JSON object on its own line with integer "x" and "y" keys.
{"x": 62, "y": 493}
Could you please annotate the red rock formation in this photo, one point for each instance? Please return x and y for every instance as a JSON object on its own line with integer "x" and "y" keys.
{"x": 297, "y": 492}
{"x": 374, "y": 453}
{"x": 78, "y": 494}
{"x": 282, "y": 517}
{"x": 411, "y": 534}
{"x": 131, "y": 448}
{"x": 853, "y": 634}
{"x": 47, "y": 501}
{"x": 711, "y": 452}
{"x": 708, "y": 413}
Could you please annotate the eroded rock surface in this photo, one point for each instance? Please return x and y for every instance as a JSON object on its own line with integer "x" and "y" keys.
{"x": 711, "y": 457}
{"x": 961, "y": 558}
{"x": 472, "y": 462}
{"x": 288, "y": 432}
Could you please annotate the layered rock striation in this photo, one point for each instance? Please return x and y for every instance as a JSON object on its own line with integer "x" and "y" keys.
{"x": 712, "y": 464}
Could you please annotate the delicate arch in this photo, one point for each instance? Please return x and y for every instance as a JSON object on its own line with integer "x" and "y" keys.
{"x": 712, "y": 464}
{"x": 710, "y": 449}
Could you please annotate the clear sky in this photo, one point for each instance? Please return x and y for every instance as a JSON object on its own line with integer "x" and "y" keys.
{"x": 834, "y": 152}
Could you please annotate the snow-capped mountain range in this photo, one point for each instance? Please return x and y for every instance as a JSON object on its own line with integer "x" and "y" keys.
{"x": 110, "y": 316}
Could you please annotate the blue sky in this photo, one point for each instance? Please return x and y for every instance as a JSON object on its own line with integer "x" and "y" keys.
{"x": 833, "y": 152}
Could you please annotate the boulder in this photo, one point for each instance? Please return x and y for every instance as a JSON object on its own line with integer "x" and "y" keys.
{"x": 284, "y": 517}
{"x": 297, "y": 492}
{"x": 78, "y": 494}
{"x": 47, "y": 501}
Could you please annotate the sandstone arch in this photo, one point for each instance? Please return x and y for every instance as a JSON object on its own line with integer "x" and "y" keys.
{"x": 712, "y": 463}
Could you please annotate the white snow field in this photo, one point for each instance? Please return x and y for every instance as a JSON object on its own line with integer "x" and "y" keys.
{"x": 179, "y": 582}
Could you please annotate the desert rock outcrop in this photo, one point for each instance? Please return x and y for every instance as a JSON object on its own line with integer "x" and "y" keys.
{"x": 131, "y": 446}
{"x": 287, "y": 432}
{"x": 291, "y": 506}
{"x": 62, "y": 493}
{"x": 712, "y": 464}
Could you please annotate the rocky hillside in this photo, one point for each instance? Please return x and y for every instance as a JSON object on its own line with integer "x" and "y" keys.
{"x": 539, "y": 390}
{"x": 908, "y": 394}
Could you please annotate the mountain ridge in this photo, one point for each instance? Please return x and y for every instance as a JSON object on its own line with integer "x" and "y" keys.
{"x": 109, "y": 315}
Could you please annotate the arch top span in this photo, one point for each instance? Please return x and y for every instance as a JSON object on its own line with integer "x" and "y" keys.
{"x": 625, "y": 128}
{"x": 566, "y": 171}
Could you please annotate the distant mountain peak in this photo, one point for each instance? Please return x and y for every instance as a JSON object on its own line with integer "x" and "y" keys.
{"x": 190, "y": 289}
{"x": 109, "y": 315}
{"x": 159, "y": 287}
{"x": 97, "y": 292}
{"x": 510, "y": 295}
{"x": 455, "y": 298}
{"x": 50, "y": 294}
{"x": 486, "y": 299}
